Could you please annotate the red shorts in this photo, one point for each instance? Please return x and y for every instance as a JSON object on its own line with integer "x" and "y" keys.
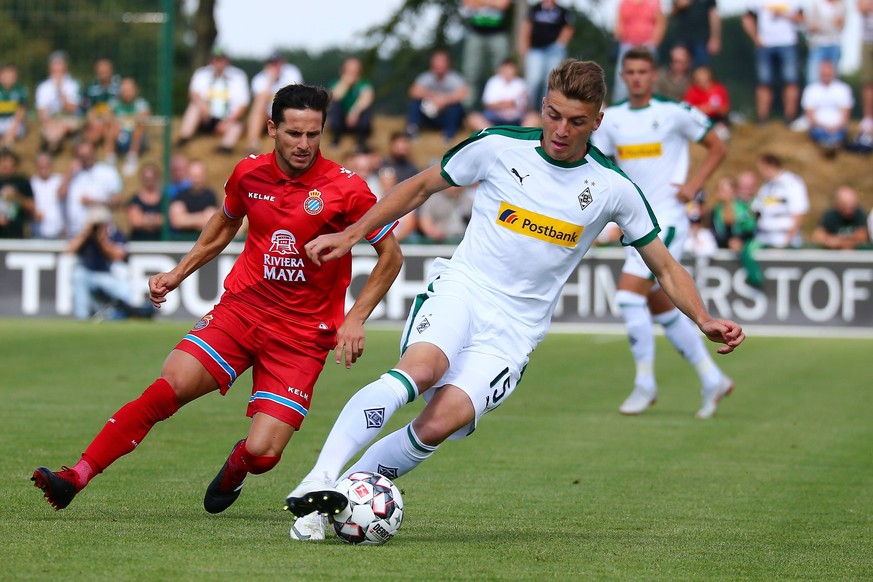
{"x": 234, "y": 337}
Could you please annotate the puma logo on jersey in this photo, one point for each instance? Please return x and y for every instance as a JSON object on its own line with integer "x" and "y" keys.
{"x": 519, "y": 176}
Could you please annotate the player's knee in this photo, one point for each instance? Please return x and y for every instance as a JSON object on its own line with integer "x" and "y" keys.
{"x": 432, "y": 432}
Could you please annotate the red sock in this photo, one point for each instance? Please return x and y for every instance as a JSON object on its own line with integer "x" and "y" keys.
{"x": 240, "y": 462}
{"x": 127, "y": 427}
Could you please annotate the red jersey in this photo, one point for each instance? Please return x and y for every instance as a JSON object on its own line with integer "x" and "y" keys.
{"x": 273, "y": 273}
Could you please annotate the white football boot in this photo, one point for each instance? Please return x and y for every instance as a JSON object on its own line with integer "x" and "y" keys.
{"x": 316, "y": 495}
{"x": 712, "y": 396}
{"x": 639, "y": 400}
{"x": 309, "y": 528}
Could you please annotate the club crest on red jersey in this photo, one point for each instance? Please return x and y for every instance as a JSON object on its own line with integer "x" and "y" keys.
{"x": 283, "y": 243}
{"x": 204, "y": 321}
{"x": 313, "y": 204}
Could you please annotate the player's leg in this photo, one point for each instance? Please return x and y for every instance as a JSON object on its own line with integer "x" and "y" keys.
{"x": 633, "y": 288}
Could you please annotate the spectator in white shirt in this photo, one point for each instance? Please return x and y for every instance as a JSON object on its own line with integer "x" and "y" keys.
{"x": 88, "y": 183}
{"x": 504, "y": 99}
{"x": 57, "y": 103}
{"x": 48, "y": 204}
{"x": 782, "y": 203}
{"x": 827, "y": 104}
{"x": 275, "y": 75}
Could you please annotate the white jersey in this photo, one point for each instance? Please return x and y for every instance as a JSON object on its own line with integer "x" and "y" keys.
{"x": 778, "y": 202}
{"x": 650, "y": 144}
{"x": 533, "y": 219}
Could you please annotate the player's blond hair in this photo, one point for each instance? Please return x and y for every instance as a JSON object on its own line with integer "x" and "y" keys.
{"x": 580, "y": 80}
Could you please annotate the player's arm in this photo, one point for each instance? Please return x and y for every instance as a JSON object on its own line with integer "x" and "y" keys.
{"x": 399, "y": 201}
{"x": 680, "y": 288}
{"x": 350, "y": 335}
{"x": 715, "y": 153}
{"x": 214, "y": 238}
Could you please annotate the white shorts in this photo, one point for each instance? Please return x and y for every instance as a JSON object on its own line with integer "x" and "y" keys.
{"x": 487, "y": 356}
{"x": 673, "y": 235}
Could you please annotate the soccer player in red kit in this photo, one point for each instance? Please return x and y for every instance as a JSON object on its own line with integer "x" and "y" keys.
{"x": 280, "y": 313}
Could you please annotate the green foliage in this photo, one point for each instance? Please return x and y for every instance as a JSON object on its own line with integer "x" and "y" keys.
{"x": 553, "y": 485}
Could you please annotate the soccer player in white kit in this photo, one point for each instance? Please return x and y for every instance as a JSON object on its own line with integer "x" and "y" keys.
{"x": 648, "y": 137}
{"x": 543, "y": 197}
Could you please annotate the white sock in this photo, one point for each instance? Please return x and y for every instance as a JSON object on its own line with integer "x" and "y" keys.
{"x": 687, "y": 340}
{"x": 360, "y": 421}
{"x": 394, "y": 455}
{"x": 638, "y": 322}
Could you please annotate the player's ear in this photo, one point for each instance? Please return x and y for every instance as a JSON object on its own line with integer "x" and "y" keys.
{"x": 598, "y": 121}
{"x": 271, "y": 128}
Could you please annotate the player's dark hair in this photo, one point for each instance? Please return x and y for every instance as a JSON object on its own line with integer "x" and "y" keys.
{"x": 639, "y": 53}
{"x": 300, "y": 97}
{"x": 580, "y": 80}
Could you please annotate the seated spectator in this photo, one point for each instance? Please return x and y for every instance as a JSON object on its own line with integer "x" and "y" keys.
{"x": 700, "y": 243}
{"x": 98, "y": 94}
{"x": 733, "y": 225}
{"x": 399, "y": 147}
{"x": 673, "y": 80}
{"x": 265, "y": 84}
{"x": 638, "y": 23}
{"x": 504, "y": 99}
{"x": 365, "y": 164}
{"x": 57, "y": 104}
{"x": 781, "y": 203}
{"x": 827, "y": 105}
{"x": 711, "y": 97}
{"x": 218, "y": 96}
{"x": 16, "y": 197}
{"x": 444, "y": 216}
{"x": 747, "y": 186}
{"x": 98, "y": 247}
{"x": 145, "y": 210}
{"x": 13, "y": 106}
{"x": 126, "y": 130}
{"x": 351, "y": 104}
{"x": 407, "y": 229}
{"x": 542, "y": 44}
{"x": 88, "y": 183}
{"x": 179, "y": 178}
{"x": 48, "y": 212}
{"x": 843, "y": 226}
{"x": 436, "y": 98}
{"x": 193, "y": 207}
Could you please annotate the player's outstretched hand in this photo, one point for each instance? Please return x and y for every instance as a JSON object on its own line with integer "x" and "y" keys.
{"x": 160, "y": 285}
{"x": 349, "y": 342}
{"x": 724, "y": 331}
{"x": 328, "y": 247}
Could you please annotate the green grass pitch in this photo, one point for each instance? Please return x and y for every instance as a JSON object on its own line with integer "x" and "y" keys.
{"x": 553, "y": 485}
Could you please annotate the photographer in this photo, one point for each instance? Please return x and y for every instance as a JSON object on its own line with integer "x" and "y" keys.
{"x": 98, "y": 247}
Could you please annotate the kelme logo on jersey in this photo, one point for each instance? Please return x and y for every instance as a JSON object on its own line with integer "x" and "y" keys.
{"x": 640, "y": 150}
{"x": 538, "y": 226}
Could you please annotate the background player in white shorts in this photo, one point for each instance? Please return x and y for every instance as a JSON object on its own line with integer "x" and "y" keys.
{"x": 543, "y": 197}
{"x": 648, "y": 137}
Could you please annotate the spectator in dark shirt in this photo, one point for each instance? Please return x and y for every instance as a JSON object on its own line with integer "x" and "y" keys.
{"x": 696, "y": 25}
{"x": 96, "y": 103}
{"x": 13, "y": 106}
{"x": 674, "y": 79}
{"x": 399, "y": 147}
{"x": 351, "y": 110}
{"x": 145, "y": 212}
{"x": 844, "y": 225}
{"x": 193, "y": 207}
{"x": 16, "y": 197}
{"x": 543, "y": 45}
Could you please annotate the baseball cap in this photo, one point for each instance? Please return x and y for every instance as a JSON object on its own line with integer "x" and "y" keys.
{"x": 274, "y": 57}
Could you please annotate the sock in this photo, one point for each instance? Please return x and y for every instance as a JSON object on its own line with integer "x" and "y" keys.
{"x": 394, "y": 455}
{"x": 241, "y": 462}
{"x": 638, "y": 322}
{"x": 360, "y": 421}
{"x": 127, "y": 427}
{"x": 687, "y": 340}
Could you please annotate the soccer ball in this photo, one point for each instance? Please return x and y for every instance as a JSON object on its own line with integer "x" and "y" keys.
{"x": 375, "y": 510}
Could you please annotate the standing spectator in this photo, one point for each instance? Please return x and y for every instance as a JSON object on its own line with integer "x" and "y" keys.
{"x": 827, "y": 105}
{"x": 265, "y": 84}
{"x": 48, "y": 212}
{"x": 747, "y": 186}
{"x": 674, "y": 80}
{"x": 179, "y": 176}
{"x": 825, "y": 24}
{"x": 145, "y": 211}
{"x": 733, "y": 225}
{"x": 399, "y": 147}
{"x": 16, "y": 197}
{"x": 542, "y": 44}
{"x": 773, "y": 26}
{"x": 486, "y": 42}
{"x": 98, "y": 94}
{"x": 193, "y": 207}
{"x": 865, "y": 7}
{"x": 436, "y": 98}
{"x": 697, "y": 26}
{"x": 844, "y": 225}
{"x": 352, "y": 104}
{"x": 57, "y": 103}
{"x": 711, "y": 97}
{"x": 444, "y": 216}
{"x": 127, "y": 127}
{"x": 639, "y": 23}
{"x": 88, "y": 183}
{"x": 13, "y": 106}
{"x": 781, "y": 203}
{"x": 504, "y": 101}
{"x": 218, "y": 97}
